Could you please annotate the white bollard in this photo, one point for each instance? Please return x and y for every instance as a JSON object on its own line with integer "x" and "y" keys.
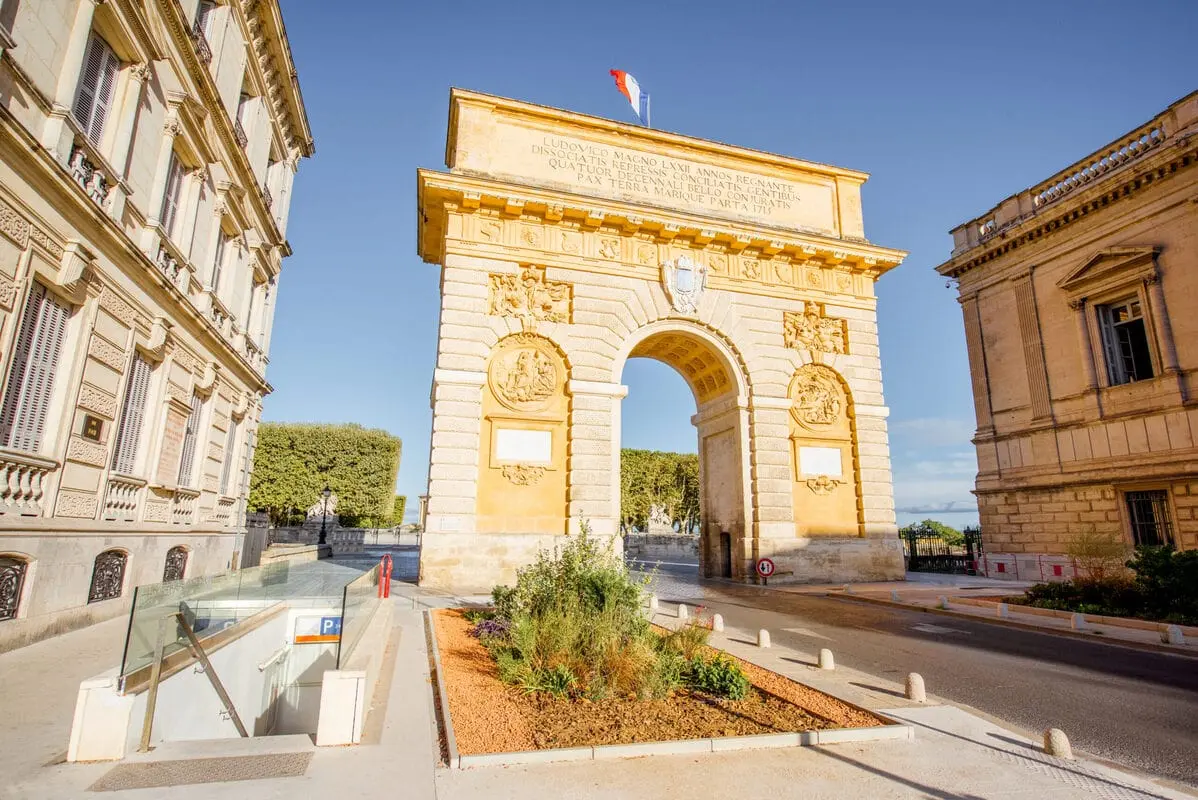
{"x": 681, "y": 611}
{"x": 943, "y": 601}
{"x": 1171, "y": 634}
{"x": 653, "y": 604}
{"x": 717, "y": 623}
{"x": 894, "y": 596}
{"x": 825, "y": 659}
{"x": 1056, "y": 743}
{"x": 763, "y": 638}
{"x": 1003, "y": 611}
{"x": 1078, "y": 622}
{"x": 915, "y": 688}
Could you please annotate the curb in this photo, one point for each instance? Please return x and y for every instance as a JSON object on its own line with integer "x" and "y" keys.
{"x": 689, "y": 746}
{"x": 1027, "y": 626}
{"x": 451, "y": 742}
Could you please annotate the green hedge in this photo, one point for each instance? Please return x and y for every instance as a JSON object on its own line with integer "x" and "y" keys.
{"x": 294, "y": 461}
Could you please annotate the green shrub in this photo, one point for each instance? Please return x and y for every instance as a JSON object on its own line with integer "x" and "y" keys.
{"x": 718, "y": 676}
{"x": 687, "y": 641}
{"x": 1168, "y": 582}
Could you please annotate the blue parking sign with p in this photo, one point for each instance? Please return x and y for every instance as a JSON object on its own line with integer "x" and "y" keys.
{"x": 330, "y": 626}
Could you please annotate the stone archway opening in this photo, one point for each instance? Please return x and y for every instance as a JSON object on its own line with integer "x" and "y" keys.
{"x": 718, "y": 387}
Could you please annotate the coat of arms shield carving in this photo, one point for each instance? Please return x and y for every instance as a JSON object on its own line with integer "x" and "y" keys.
{"x": 684, "y": 281}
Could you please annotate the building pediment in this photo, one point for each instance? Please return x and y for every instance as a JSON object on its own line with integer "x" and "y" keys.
{"x": 1110, "y": 267}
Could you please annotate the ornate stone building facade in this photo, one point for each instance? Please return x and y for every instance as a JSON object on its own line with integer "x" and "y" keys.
{"x": 147, "y": 153}
{"x": 569, "y": 244}
{"x": 1080, "y": 298}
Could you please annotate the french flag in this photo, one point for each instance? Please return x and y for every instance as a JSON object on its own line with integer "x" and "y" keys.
{"x": 632, "y": 90}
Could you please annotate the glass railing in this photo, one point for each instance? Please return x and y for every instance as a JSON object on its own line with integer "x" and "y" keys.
{"x": 360, "y": 600}
{"x": 212, "y": 603}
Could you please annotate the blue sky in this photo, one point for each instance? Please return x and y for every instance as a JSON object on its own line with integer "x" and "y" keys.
{"x": 951, "y": 106}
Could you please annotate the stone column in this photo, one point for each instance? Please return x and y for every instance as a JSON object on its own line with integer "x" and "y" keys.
{"x": 1160, "y": 322}
{"x": 593, "y": 460}
{"x": 1085, "y": 350}
{"x": 150, "y": 236}
{"x": 121, "y": 151}
{"x": 769, "y": 492}
{"x": 208, "y": 267}
{"x": 976, "y": 348}
{"x": 873, "y": 452}
{"x": 57, "y": 135}
{"x": 457, "y": 425}
{"x": 190, "y": 209}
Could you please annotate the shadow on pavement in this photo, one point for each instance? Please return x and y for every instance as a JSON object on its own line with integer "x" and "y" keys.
{"x": 928, "y": 791}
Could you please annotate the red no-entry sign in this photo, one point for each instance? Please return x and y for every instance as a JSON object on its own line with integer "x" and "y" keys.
{"x": 765, "y": 567}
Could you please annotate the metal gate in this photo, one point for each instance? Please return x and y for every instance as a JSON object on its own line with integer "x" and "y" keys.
{"x": 927, "y": 551}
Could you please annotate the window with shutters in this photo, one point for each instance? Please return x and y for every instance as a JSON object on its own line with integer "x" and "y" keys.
{"x": 31, "y": 379}
{"x": 1125, "y": 341}
{"x": 133, "y": 414}
{"x": 172, "y": 194}
{"x": 93, "y": 97}
{"x": 190, "y": 435}
{"x": 218, "y": 261}
{"x": 204, "y": 17}
{"x": 227, "y": 469}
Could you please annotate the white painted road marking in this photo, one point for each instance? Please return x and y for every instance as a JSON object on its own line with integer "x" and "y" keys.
{"x": 806, "y": 632}
{"x": 928, "y": 628}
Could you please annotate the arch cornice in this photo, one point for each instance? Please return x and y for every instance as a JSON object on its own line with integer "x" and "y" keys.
{"x": 784, "y": 253}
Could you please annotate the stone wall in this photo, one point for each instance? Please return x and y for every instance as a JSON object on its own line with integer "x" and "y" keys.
{"x": 661, "y": 547}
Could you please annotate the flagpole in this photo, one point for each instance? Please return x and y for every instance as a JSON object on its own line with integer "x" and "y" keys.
{"x": 648, "y": 110}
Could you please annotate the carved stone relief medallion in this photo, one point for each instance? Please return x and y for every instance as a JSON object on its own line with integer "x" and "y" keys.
{"x": 819, "y": 401}
{"x": 609, "y": 248}
{"x": 812, "y": 330}
{"x": 525, "y": 376}
{"x": 684, "y": 280}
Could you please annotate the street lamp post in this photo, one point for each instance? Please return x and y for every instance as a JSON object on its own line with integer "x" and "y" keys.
{"x": 324, "y": 519}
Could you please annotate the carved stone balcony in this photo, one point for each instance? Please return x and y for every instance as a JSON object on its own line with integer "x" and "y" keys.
{"x": 122, "y": 499}
{"x": 174, "y": 266}
{"x": 239, "y": 133}
{"x": 203, "y": 51}
{"x": 89, "y": 176}
{"x": 22, "y": 483}
{"x": 183, "y": 506}
{"x": 223, "y": 513}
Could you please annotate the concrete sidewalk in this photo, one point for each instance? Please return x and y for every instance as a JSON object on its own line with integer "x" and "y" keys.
{"x": 956, "y": 754}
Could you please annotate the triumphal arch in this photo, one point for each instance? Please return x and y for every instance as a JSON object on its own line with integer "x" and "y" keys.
{"x": 569, "y": 244}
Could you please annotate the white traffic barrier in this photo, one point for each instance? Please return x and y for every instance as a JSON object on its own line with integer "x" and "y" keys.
{"x": 1003, "y": 611}
{"x": 1056, "y": 743}
{"x": 682, "y": 611}
{"x": 943, "y": 601}
{"x": 1078, "y": 622}
{"x": 1171, "y": 634}
{"x": 763, "y": 638}
{"x": 915, "y": 689}
{"x": 825, "y": 659}
{"x": 717, "y": 623}
{"x": 653, "y": 604}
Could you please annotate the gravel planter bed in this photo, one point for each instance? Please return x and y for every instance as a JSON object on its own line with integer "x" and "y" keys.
{"x": 489, "y": 716}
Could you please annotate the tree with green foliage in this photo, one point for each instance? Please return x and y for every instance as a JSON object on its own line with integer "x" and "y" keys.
{"x": 651, "y": 477}
{"x": 398, "y": 509}
{"x": 295, "y": 461}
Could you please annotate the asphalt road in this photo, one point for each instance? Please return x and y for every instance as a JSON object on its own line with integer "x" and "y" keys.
{"x": 1129, "y": 707}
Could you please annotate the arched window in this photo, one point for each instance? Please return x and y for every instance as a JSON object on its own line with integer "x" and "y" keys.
{"x": 12, "y": 580}
{"x": 108, "y": 576}
{"x": 176, "y": 564}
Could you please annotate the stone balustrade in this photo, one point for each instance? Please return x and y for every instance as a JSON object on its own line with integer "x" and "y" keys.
{"x": 89, "y": 176}
{"x": 122, "y": 498}
{"x": 22, "y": 483}
{"x": 223, "y": 513}
{"x": 183, "y": 506}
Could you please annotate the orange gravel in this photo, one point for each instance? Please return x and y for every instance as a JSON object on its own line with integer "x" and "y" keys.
{"x": 486, "y": 715}
{"x": 490, "y": 716}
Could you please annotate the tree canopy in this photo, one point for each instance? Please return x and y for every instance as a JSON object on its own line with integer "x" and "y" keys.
{"x": 651, "y": 477}
{"x": 294, "y": 461}
{"x": 947, "y": 533}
